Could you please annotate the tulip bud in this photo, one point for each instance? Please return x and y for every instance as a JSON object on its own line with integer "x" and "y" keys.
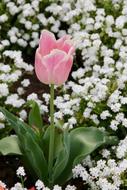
{"x": 54, "y": 58}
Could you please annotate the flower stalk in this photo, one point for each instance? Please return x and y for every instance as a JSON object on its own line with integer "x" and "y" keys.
{"x": 52, "y": 133}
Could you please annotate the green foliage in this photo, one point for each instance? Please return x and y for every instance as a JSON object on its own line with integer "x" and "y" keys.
{"x": 83, "y": 141}
{"x": 29, "y": 145}
{"x": 70, "y": 147}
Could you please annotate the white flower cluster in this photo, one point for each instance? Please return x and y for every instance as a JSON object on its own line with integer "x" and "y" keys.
{"x": 39, "y": 185}
{"x": 96, "y": 95}
{"x": 105, "y": 174}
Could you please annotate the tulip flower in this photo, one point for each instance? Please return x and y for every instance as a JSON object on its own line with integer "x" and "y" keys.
{"x": 54, "y": 58}
{"x": 53, "y": 63}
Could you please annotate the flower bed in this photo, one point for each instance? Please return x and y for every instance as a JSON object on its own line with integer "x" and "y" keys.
{"x": 95, "y": 94}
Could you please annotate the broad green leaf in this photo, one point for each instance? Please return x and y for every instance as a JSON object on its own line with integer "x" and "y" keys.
{"x": 62, "y": 157}
{"x": 29, "y": 145}
{"x": 35, "y": 118}
{"x": 9, "y": 145}
{"x": 57, "y": 144}
{"x": 18, "y": 125}
{"x": 83, "y": 141}
{"x": 33, "y": 154}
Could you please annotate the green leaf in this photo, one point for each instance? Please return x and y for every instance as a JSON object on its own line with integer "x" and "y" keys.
{"x": 29, "y": 145}
{"x": 35, "y": 118}
{"x": 62, "y": 157}
{"x": 83, "y": 141}
{"x": 9, "y": 145}
{"x": 18, "y": 125}
{"x": 57, "y": 144}
{"x": 34, "y": 156}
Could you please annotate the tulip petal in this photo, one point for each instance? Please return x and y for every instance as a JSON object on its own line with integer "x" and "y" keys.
{"x": 40, "y": 69}
{"x": 67, "y": 46}
{"x": 47, "y": 42}
{"x": 64, "y": 44}
{"x": 61, "y": 41}
{"x": 52, "y": 60}
{"x": 61, "y": 71}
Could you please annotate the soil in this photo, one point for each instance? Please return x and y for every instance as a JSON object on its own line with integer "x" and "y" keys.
{"x": 8, "y": 167}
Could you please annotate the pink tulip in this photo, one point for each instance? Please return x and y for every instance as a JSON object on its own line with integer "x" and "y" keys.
{"x": 54, "y": 58}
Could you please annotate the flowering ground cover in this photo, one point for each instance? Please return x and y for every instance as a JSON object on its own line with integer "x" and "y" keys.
{"x": 95, "y": 94}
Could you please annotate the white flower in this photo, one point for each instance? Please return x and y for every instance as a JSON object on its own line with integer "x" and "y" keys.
{"x": 120, "y": 21}
{"x": 105, "y": 153}
{"x": 114, "y": 125}
{"x": 57, "y": 187}
{"x": 72, "y": 121}
{"x": 2, "y": 117}
{"x": 32, "y": 96}
{"x": 20, "y": 90}
{"x": 3, "y": 90}
{"x": 20, "y": 171}
{"x": 87, "y": 112}
{"x": 39, "y": 185}
{"x": 121, "y": 150}
{"x": 2, "y": 125}
{"x": 46, "y": 188}
{"x": 124, "y": 122}
{"x": 23, "y": 114}
{"x": 80, "y": 171}
{"x": 18, "y": 186}
{"x": 105, "y": 114}
{"x": 3, "y": 18}
{"x": 109, "y": 20}
{"x": 43, "y": 109}
{"x": 14, "y": 100}
{"x": 70, "y": 187}
{"x": 25, "y": 82}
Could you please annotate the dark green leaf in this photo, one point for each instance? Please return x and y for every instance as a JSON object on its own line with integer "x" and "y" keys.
{"x": 83, "y": 141}
{"x": 57, "y": 144}
{"x": 18, "y": 125}
{"x": 34, "y": 156}
{"x": 29, "y": 145}
{"x": 35, "y": 118}
{"x": 62, "y": 157}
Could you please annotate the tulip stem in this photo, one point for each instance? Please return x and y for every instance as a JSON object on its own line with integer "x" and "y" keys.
{"x": 52, "y": 133}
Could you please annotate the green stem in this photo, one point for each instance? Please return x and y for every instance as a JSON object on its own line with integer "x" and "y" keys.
{"x": 52, "y": 133}
{"x": 22, "y": 181}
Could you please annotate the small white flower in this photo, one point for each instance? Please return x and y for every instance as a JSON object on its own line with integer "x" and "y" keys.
{"x": 25, "y": 82}
{"x": 39, "y": 185}
{"x": 2, "y": 125}
{"x": 57, "y": 187}
{"x": 70, "y": 187}
{"x": 20, "y": 171}
{"x": 2, "y": 117}
{"x": 23, "y": 114}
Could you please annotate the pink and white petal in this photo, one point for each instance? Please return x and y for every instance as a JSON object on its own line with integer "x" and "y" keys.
{"x": 61, "y": 41}
{"x": 61, "y": 72}
{"x": 52, "y": 60}
{"x": 47, "y": 42}
{"x": 67, "y": 46}
{"x": 71, "y": 51}
{"x": 40, "y": 69}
